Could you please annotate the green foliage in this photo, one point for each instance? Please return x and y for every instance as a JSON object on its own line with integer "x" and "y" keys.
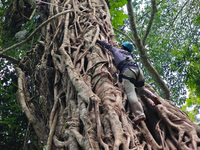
{"x": 192, "y": 107}
{"x": 117, "y": 13}
{"x": 10, "y": 27}
{"x": 12, "y": 119}
{"x": 118, "y": 17}
{"x": 13, "y": 122}
{"x": 172, "y": 45}
{"x": 173, "y": 48}
{"x": 187, "y": 61}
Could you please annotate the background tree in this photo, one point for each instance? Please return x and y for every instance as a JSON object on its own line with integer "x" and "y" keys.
{"x": 12, "y": 120}
{"x": 68, "y": 89}
{"x": 15, "y": 131}
{"x": 175, "y": 54}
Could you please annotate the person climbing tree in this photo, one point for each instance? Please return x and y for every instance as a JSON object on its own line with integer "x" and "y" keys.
{"x": 131, "y": 77}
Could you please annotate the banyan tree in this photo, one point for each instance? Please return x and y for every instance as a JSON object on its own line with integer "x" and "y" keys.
{"x": 69, "y": 90}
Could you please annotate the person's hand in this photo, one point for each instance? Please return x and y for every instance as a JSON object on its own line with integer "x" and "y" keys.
{"x": 101, "y": 37}
{"x": 98, "y": 41}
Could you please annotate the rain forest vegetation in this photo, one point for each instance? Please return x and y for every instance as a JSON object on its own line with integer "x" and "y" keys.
{"x": 59, "y": 87}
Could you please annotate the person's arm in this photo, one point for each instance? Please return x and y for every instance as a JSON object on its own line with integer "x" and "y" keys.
{"x": 107, "y": 45}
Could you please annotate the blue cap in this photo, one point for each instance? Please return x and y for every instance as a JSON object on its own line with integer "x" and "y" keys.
{"x": 128, "y": 45}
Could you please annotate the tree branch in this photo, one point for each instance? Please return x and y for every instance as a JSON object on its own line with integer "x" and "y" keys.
{"x": 22, "y": 95}
{"x": 148, "y": 11}
{"x": 12, "y": 59}
{"x": 38, "y": 126}
{"x": 126, "y": 35}
{"x": 134, "y": 30}
{"x": 143, "y": 55}
{"x": 34, "y": 32}
{"x": 173, "y": 20}
{"x": 153, "y": 2}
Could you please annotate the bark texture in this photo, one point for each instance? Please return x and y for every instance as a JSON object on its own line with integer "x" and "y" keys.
{"x": 70, "y": 92}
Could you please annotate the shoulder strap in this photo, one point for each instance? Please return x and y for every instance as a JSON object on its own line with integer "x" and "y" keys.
{"x": 122, "y": 64}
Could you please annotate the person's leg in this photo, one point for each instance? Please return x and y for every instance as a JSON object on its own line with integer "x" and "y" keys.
{"x": 145, "y": 91}
{"x": 136, "y": 106}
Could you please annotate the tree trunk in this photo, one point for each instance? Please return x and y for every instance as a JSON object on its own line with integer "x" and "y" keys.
{"x": 71, "y": 95}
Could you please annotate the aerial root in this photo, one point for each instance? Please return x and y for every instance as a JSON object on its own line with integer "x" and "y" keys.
{"x": 51, "y": 132}
{"x": 92, "y": 44}
{"x": 128, "y": 130}
{"x": 61, "y": 144}
{"x": 162, "y": 134}
{"x": 98, "y": 121}
{"x": 182, "y": 132}
{"x": 117, "y": 130}
{"x": 149, "y": 138}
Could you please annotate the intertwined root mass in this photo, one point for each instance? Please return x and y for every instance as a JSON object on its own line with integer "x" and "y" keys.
{"x": 71, "y": 95}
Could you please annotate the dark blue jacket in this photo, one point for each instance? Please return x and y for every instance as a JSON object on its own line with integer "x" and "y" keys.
{"x": 119, "y": 55}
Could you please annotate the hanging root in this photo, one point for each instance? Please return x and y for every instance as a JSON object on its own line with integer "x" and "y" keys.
{"x": 168, "y": 127}
{"x": 99, "y": 127}
{"x": 182, "y": 130}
